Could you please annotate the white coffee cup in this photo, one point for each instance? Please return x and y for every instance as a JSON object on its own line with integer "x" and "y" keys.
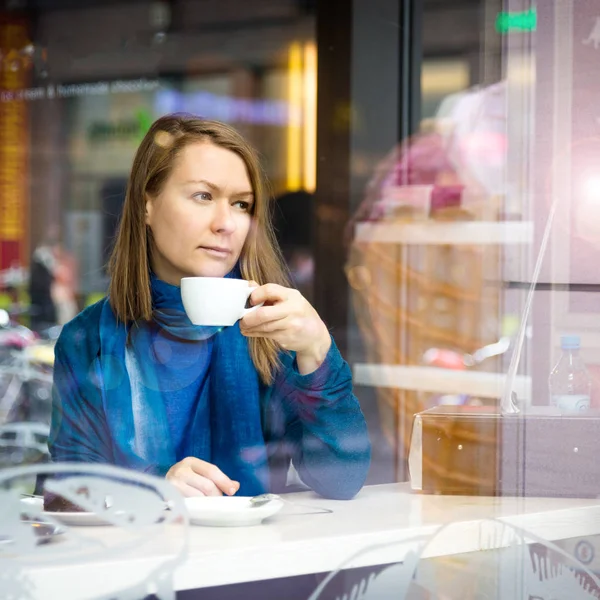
{"x": 215, "y": 301}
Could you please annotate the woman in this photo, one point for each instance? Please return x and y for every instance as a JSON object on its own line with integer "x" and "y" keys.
{"x": 216, "y": 411}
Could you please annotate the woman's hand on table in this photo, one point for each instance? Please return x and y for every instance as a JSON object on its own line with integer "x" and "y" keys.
{"x": 289, "y": 319}
{"x": 195, "y": 477}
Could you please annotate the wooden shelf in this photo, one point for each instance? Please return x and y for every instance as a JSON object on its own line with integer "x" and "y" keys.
{"x": 439, "y": 381}
{"x": 447, "y": 233}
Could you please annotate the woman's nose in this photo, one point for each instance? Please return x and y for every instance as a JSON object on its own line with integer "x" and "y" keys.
{"x": 223, "y": 220}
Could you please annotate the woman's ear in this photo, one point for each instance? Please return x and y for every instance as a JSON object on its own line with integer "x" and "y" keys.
{"x": 148, "y": 208}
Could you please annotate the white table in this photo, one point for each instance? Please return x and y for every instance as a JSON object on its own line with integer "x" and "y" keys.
{"x": 290, "y": 545}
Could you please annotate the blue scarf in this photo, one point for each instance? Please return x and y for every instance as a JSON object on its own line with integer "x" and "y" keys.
{"x": 135, "y": 403}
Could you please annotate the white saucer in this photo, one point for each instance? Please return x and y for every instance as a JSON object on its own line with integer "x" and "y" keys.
{"x": 229, "y": 511}
{"x": 68, "y": 518}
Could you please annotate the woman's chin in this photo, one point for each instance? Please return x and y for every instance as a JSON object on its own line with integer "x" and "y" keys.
{"x": 220, "y": 271}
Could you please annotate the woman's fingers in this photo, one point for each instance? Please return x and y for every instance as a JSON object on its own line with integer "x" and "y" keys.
{"x": 285, "y": 323}
{"x": 205, "y": 486}
{"x": 262, "y": 316}
{"x": 270, "y": 292}
{"x": 276, "y": 335}
{"x": 203, "y": 477}
{"x": 291, "y": 322}
{"x": 187, "y": 491}
{"x": 264, "y": 331}
{"x": 215, "y": 475}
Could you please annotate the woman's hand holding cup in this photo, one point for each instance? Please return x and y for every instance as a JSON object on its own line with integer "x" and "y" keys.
{"x": 290, "y": 320}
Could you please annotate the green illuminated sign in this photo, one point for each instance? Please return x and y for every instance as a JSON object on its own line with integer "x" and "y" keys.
{"x": 134, "y": 128}
{"x": 507, "y": 22}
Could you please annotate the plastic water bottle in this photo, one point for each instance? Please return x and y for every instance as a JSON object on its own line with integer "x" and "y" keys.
{"x": 570, "y": 382}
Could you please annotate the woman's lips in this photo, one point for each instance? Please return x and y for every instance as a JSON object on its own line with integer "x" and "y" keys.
{"x": 216, "y": 251}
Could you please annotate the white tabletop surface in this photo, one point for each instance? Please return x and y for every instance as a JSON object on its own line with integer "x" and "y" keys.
{"x": 294, "y": 544}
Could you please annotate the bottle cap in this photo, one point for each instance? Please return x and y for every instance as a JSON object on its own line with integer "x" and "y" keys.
{"x": 570, "y": 342}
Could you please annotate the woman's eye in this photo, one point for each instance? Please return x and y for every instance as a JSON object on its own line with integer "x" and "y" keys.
{"x": 202, "y": 196}
{"x": 243, "y": 205}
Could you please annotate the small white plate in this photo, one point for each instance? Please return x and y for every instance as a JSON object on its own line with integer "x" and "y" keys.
{"x": 68, "y": 518}
{"x": 229, "y": 511}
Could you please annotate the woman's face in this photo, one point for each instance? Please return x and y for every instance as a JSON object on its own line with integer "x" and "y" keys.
{"x": 201, "y": 218}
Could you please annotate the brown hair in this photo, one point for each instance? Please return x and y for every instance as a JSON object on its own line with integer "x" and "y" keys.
{"x": 129, "y": 266}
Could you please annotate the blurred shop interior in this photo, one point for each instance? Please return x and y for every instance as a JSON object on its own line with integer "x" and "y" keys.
{"x": 413, "y": 151}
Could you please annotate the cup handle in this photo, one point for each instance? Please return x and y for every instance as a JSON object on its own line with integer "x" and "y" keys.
{"x": 246, "y": 311}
